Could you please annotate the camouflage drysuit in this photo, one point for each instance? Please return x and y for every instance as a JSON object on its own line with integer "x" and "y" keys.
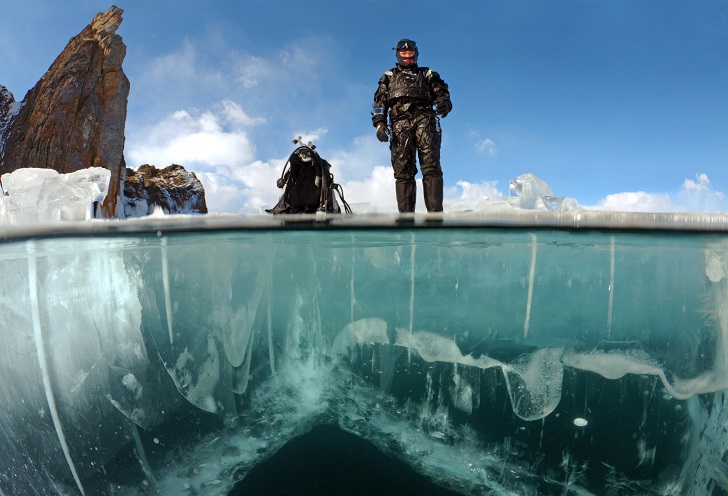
{"x": 407, "y": 96}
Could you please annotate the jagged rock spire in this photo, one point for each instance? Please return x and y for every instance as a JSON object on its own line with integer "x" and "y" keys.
{"x": 74, "y": 117}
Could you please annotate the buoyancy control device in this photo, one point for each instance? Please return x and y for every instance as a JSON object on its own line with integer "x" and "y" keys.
{"x": 307, "y": 184}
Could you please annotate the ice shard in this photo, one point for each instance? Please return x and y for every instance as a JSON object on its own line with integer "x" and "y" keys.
{"x": 515, "y": 352}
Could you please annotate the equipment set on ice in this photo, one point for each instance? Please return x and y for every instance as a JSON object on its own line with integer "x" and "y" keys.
{"x": 307, "y": 184}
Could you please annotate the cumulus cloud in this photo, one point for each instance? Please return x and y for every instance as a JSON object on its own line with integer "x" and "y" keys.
{"x": 374, "y": 193}
{"x": 211, "y": 139}
{"x": 693, "y": 196}
{"x": 475, "y": 192}
{"x": 251, "y": 189}
{"x": 358, "y": 158}
{"x": 214, "y": 144}
{"x": 234, "y": 113}
{"x": 471, "y": 196}
{"x": 377, "y": 193}
{"x": 638, "y": 201}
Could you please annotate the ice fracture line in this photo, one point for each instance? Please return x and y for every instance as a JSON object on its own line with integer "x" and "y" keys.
{"x": 43, "y": 361}
{"x": 611, "y": 286}
{"x": 167, "y": 297}
{"x": 531, "y": 275}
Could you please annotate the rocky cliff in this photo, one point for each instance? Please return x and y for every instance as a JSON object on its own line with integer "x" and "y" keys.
{"x": 172, "y": 189}
{"x": 75, "y": 116}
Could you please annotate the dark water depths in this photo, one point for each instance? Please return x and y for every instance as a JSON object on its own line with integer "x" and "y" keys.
{"x": 330, "y": 461}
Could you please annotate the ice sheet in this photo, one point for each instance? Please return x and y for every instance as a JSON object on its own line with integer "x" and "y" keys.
{"x": 181, "y": 352}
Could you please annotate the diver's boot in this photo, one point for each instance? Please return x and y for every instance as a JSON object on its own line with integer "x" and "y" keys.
{"x": 432, "y": 187}
{"x": 406, "y": 190}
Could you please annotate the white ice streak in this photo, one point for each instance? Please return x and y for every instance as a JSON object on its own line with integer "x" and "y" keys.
{"x": 43, "y": 362}
{"x": 165, "y": 283}
{"x": 531, "y": 277}
{"x": 610, "y": 307}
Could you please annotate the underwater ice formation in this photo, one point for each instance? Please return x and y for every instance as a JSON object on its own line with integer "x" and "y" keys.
{"x": 518, "y": 360}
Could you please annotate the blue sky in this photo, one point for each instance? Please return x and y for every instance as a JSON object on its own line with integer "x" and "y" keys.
{"x": 620, "y": 104}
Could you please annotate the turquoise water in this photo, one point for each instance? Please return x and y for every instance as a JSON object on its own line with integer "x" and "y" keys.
{"x": 538, "y": 358}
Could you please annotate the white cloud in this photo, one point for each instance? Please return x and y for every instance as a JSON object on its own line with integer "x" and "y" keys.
{"x": 210, "y": 139}
{"x": 252, "y": 70}
{"x": 235, "y": 114}
{"x": 699, "y": 195}
{"x": 375, "y": 191}
{"x": 180, "y": 65}
{"x": 208, "y": 149}
{"x": 289, "y": 71}
{"x": 251, "y": 190}
{"x": 476, "y": 192}
{"x": 639, "y": 201}
{"x": 486, "y": 145}
{"x": 298, "y": 58}
{"x": 471, "y": 196}
{"x": 213, "y": 144}
{"x": 378, "y": 191}
{"x": 221, "y": 194}
{"x": 358, "y": 160}
{"x": 702, "y": 183}
{"x": 693, "y": 196}
{"x": 298, "y": 65}
{"x": 314, "y": 136}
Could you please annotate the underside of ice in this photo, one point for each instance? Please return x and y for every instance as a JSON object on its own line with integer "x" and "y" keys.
{"x": 515, "y": 361}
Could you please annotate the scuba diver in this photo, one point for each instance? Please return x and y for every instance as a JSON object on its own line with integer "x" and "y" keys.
{"x": 414, "y": 98}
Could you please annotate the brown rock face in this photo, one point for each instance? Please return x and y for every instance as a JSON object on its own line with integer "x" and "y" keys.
{"x": 75, "y": 115}
{"x": 173, "y": 189}
{"x": 74, "y": 118}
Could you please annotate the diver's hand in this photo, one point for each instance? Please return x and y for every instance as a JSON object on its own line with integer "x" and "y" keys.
{"x": 382, "y": 132}
{"x": 442, "y": 108}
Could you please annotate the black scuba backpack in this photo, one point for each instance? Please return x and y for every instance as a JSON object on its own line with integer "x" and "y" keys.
{"x": 308, "y": 185}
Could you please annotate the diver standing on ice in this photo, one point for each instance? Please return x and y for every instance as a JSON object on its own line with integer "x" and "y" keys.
{"x": 408, "y": 93}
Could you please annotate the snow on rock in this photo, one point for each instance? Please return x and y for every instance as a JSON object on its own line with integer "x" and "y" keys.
{"x": 173, "y": 189}
{"x": 8, "y": 109}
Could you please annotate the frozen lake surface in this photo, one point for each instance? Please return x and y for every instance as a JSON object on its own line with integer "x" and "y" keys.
{"x": 509, "y": 353}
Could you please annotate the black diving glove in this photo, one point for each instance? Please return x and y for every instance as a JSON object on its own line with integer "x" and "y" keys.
{"x": 382, "y": 132}
{"x": 442, "y": 108}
